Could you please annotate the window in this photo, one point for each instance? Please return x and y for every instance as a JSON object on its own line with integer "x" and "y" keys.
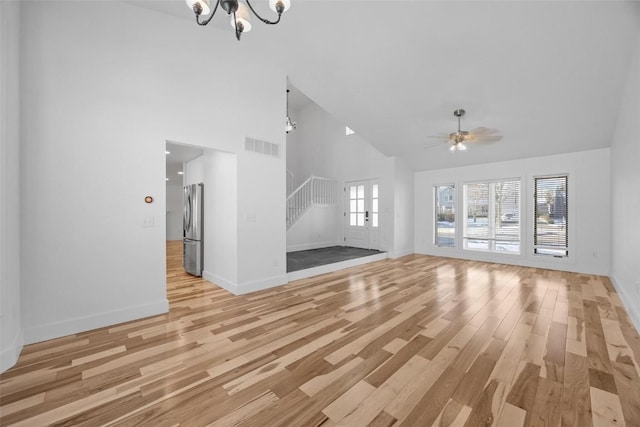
{"x": 445, "y": 224}
{"x": 492, "y": 211}
{"x": 550, "y": 225}
{"x": 374, "y": 205}
{"x": 356, "y": 205}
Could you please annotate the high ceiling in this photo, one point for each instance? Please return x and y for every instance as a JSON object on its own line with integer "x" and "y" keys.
{"x": 548, "y": 75}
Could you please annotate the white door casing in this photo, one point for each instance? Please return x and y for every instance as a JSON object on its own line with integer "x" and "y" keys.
{"x": 362, "y": 214}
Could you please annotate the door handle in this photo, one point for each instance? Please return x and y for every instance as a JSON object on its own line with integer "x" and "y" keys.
{"x": 366, "y": 215}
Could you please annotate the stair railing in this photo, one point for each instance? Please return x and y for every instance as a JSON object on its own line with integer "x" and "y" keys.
{"x": 315, "y": 191}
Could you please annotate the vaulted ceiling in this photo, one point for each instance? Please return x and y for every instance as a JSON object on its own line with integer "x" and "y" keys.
{"x": 548, "y": 75}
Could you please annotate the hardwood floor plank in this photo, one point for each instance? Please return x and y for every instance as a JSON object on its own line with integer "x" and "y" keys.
{"x": 576, "y": 398}
{"x": 512, "y": 416}
{"x": 606, "y": 408}
{"x": 547, "y": 409}
{"x": 628, "y": 386}
{"x": 417, "y": 341}
{"x": 523, "y": 392}
{"x": 349, "y": 401}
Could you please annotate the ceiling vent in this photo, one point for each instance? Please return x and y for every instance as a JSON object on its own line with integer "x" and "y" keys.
{"x": 262, "y": 147}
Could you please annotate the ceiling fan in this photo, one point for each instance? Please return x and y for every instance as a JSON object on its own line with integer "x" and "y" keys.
{"x": 458, "y": 140}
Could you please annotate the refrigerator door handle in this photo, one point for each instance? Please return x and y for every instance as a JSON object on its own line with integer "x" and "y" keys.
{"x": 187, "y": 213}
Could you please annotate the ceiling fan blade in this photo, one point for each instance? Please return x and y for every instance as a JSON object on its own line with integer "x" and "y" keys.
{"x": 484, "y": 131}
{"x": 442, "y": 136}
{"x": 487, "y": 139}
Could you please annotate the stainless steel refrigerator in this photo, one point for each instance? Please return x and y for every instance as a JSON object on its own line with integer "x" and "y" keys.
{"x": 192, "y": 229}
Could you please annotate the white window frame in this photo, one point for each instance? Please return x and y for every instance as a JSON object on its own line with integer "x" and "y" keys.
{"x": 569, "y": 220}
{"x": 491, "y": 215}
{"x": 572, "y": 199}
{"x": 434, "y": 224}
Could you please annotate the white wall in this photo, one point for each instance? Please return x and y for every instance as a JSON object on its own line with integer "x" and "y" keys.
{"x": 589, "y": 209}
{"x": 404, "y": 209}
{"x": 320, "y": 147}
{"x": 319, "y": 227}
{"x": 625, "y": 192}
{"x": 100, "y": 108}
{"x": 10, "y": 325}
{"x": 174, "y": 211}
{"x": 221, "y": 218}
{"x": 262, "y": 228}
{"x": 194, "y": 171}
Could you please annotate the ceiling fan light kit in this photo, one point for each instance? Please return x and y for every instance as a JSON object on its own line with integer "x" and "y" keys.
{"x": 458, "y": 138}
{"x": 239, "y": 12}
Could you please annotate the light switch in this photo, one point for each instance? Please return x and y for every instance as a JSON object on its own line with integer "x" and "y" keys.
{"x": 147, "y": 221}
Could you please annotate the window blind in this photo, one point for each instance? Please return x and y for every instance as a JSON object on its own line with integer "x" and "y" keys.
{"x": 551, "y": 222}
{"x": 492, "y": 220}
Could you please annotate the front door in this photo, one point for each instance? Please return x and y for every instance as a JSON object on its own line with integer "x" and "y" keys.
{"x": 362, "y": 218}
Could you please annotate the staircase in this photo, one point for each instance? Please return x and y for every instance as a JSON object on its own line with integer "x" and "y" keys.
{"x": 315, "y": 191}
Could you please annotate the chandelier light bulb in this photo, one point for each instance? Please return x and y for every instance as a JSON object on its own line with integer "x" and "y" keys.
{"x": 283, "y": 5}
{"x": 242, "y": 18}
{"x": 199, "y": 5}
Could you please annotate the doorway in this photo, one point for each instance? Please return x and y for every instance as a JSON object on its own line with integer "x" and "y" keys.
{"x": 362, "y": 216}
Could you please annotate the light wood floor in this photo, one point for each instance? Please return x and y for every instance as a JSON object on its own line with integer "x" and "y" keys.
{"x": 416, "y": 341}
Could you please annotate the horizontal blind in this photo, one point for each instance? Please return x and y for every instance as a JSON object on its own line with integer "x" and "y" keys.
{"x": 492, "y": 216}
{"x": 551, "y": 222}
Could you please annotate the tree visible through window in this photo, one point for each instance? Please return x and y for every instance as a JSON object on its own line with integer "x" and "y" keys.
{"x": 492, "y": 212}
{"x": 445, "y": 224}
{"x": 550, "y": 226}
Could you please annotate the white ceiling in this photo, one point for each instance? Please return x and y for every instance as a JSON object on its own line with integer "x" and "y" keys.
{"x": 548, "y": 75}
{"x": 179, "y": 154}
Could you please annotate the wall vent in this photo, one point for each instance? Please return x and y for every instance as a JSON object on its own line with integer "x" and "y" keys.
{"x": 262, "y": 147}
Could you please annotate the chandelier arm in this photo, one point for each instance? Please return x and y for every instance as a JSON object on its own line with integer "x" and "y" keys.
{"x": 235, "y": 23}
{"x": 206, "y": 21}
{"x": 266, "y": 21}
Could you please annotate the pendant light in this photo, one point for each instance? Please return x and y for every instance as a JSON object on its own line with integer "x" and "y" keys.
{"x": 288, "y": 124}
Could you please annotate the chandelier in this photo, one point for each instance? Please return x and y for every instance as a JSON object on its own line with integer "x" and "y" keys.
{"x": 288, "y": 124}
{"x": 238, "y": 11}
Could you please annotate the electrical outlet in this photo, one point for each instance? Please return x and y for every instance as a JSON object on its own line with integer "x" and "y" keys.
{"x": 147, "y": 221}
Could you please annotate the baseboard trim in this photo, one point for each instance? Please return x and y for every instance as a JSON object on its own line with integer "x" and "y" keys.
{"x": 316, "y": 245}
{"x": 634, "y": 312}
{"x": 330, "y": 268}
{"x": 246, "y": 287}
{"x": 76, "y": 325}
{"x": 262, "y": 284}
{"x": 220, "y": 281}
{"x": 399, "y": 254}
{"x": 9, "y": 356}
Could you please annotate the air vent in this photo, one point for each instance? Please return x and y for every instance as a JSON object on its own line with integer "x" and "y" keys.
{"x": 262, "y": 147}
